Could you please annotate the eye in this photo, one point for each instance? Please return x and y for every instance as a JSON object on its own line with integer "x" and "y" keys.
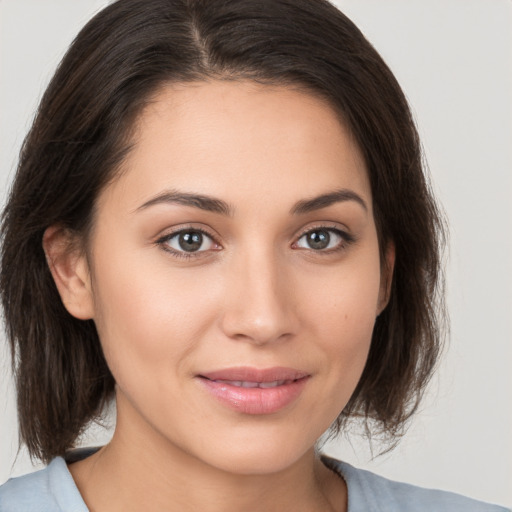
{"x": 188, "y": 241}
{"x": 320, "y": 239}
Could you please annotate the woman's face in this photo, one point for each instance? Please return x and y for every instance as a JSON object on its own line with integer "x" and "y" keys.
{"x": 235, "y": 274}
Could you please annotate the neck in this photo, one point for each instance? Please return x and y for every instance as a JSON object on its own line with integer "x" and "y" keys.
{"x": 131, "y": 475}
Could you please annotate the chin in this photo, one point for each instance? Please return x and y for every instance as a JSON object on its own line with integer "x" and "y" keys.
{"x": 262, "y": 451}
{"x": 256, "y": 462}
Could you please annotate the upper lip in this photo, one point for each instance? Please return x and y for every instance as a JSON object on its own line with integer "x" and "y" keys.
{"x": 248, "y": 374}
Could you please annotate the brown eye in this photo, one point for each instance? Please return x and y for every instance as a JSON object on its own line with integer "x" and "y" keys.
{"x": 321, "y": 239}
{"x": 318, "y": 239}
{"x": 189, "y": 241}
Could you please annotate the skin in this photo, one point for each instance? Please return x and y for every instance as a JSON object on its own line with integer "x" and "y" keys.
{"x": 255, "y": 294}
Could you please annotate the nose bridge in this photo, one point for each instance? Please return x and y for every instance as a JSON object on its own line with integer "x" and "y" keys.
{"x": 258, "y": 307}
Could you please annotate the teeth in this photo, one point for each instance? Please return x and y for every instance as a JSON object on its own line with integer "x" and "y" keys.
{"x": 272, "y": 384}
{"x": 249, "y": 384}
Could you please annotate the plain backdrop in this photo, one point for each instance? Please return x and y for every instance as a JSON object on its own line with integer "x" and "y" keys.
{"x": 454, "y": 61}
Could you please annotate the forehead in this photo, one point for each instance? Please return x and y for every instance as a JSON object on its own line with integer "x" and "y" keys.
{"x": 242, "y": 141}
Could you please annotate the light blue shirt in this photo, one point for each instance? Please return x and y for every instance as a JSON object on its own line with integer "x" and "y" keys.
{"x": 53, "y": 490}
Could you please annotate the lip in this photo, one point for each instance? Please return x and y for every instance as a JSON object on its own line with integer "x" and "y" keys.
{"x": 280, "y": 387}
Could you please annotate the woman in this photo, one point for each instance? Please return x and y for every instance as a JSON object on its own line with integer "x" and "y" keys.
{"x": 220, "y": 219}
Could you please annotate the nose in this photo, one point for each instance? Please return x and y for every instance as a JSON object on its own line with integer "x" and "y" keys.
{"x": 259, "y": 302}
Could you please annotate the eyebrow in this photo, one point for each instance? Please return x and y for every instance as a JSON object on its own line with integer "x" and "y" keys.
{"x": 203, "y": 202}
{"x": 325, "y": 200}
{"x": 212, "y": 204}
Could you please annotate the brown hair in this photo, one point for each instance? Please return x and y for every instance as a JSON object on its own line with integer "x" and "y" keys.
{"x": 81, "y": 133}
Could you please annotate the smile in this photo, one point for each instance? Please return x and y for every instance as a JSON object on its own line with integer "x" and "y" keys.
{"x": 254, "y": 391}
{"x": 249, "y": 384}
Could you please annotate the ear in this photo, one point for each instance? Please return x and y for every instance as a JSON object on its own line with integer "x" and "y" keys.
{"x": 70, "y": 271}
{"x": 386, "y": 277}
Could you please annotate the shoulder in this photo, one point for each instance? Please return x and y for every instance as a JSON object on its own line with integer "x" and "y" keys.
{"x": 49, "y": 490}
{"x": 369, "y": 492}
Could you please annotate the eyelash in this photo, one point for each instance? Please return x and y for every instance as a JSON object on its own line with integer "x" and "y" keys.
{"x": 163, "y": 241}
{"x": 346, "y": 238}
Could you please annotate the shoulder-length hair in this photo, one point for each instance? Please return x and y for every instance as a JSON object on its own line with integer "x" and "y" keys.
{"x": 82, "y": 132}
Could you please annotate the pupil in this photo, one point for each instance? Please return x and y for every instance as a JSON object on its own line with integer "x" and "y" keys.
{"x": 190, "y": 241}
{"x": 318, "y": 239}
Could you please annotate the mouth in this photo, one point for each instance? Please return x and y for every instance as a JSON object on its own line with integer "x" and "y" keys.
{"x": 252, "y": 384}
{"x": 255, "y": 391}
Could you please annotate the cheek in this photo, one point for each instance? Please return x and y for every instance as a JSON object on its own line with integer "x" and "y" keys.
{"x": 147, "y": 319}
{"x": 342, "y": 315}
{"x": 345, "y": 301}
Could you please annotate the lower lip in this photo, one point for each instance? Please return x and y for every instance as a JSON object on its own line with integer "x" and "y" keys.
{"x": 255, "y": 400}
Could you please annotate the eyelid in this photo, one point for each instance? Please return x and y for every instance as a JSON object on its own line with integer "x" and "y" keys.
{"x": 328, "y": 226}
{"x": 346, "y": 236}
{"x": 162, "y": 239}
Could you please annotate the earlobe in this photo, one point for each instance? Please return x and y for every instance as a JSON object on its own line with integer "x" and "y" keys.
{"x": 386, "y": 278}
{"x": 70, "y": 271}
